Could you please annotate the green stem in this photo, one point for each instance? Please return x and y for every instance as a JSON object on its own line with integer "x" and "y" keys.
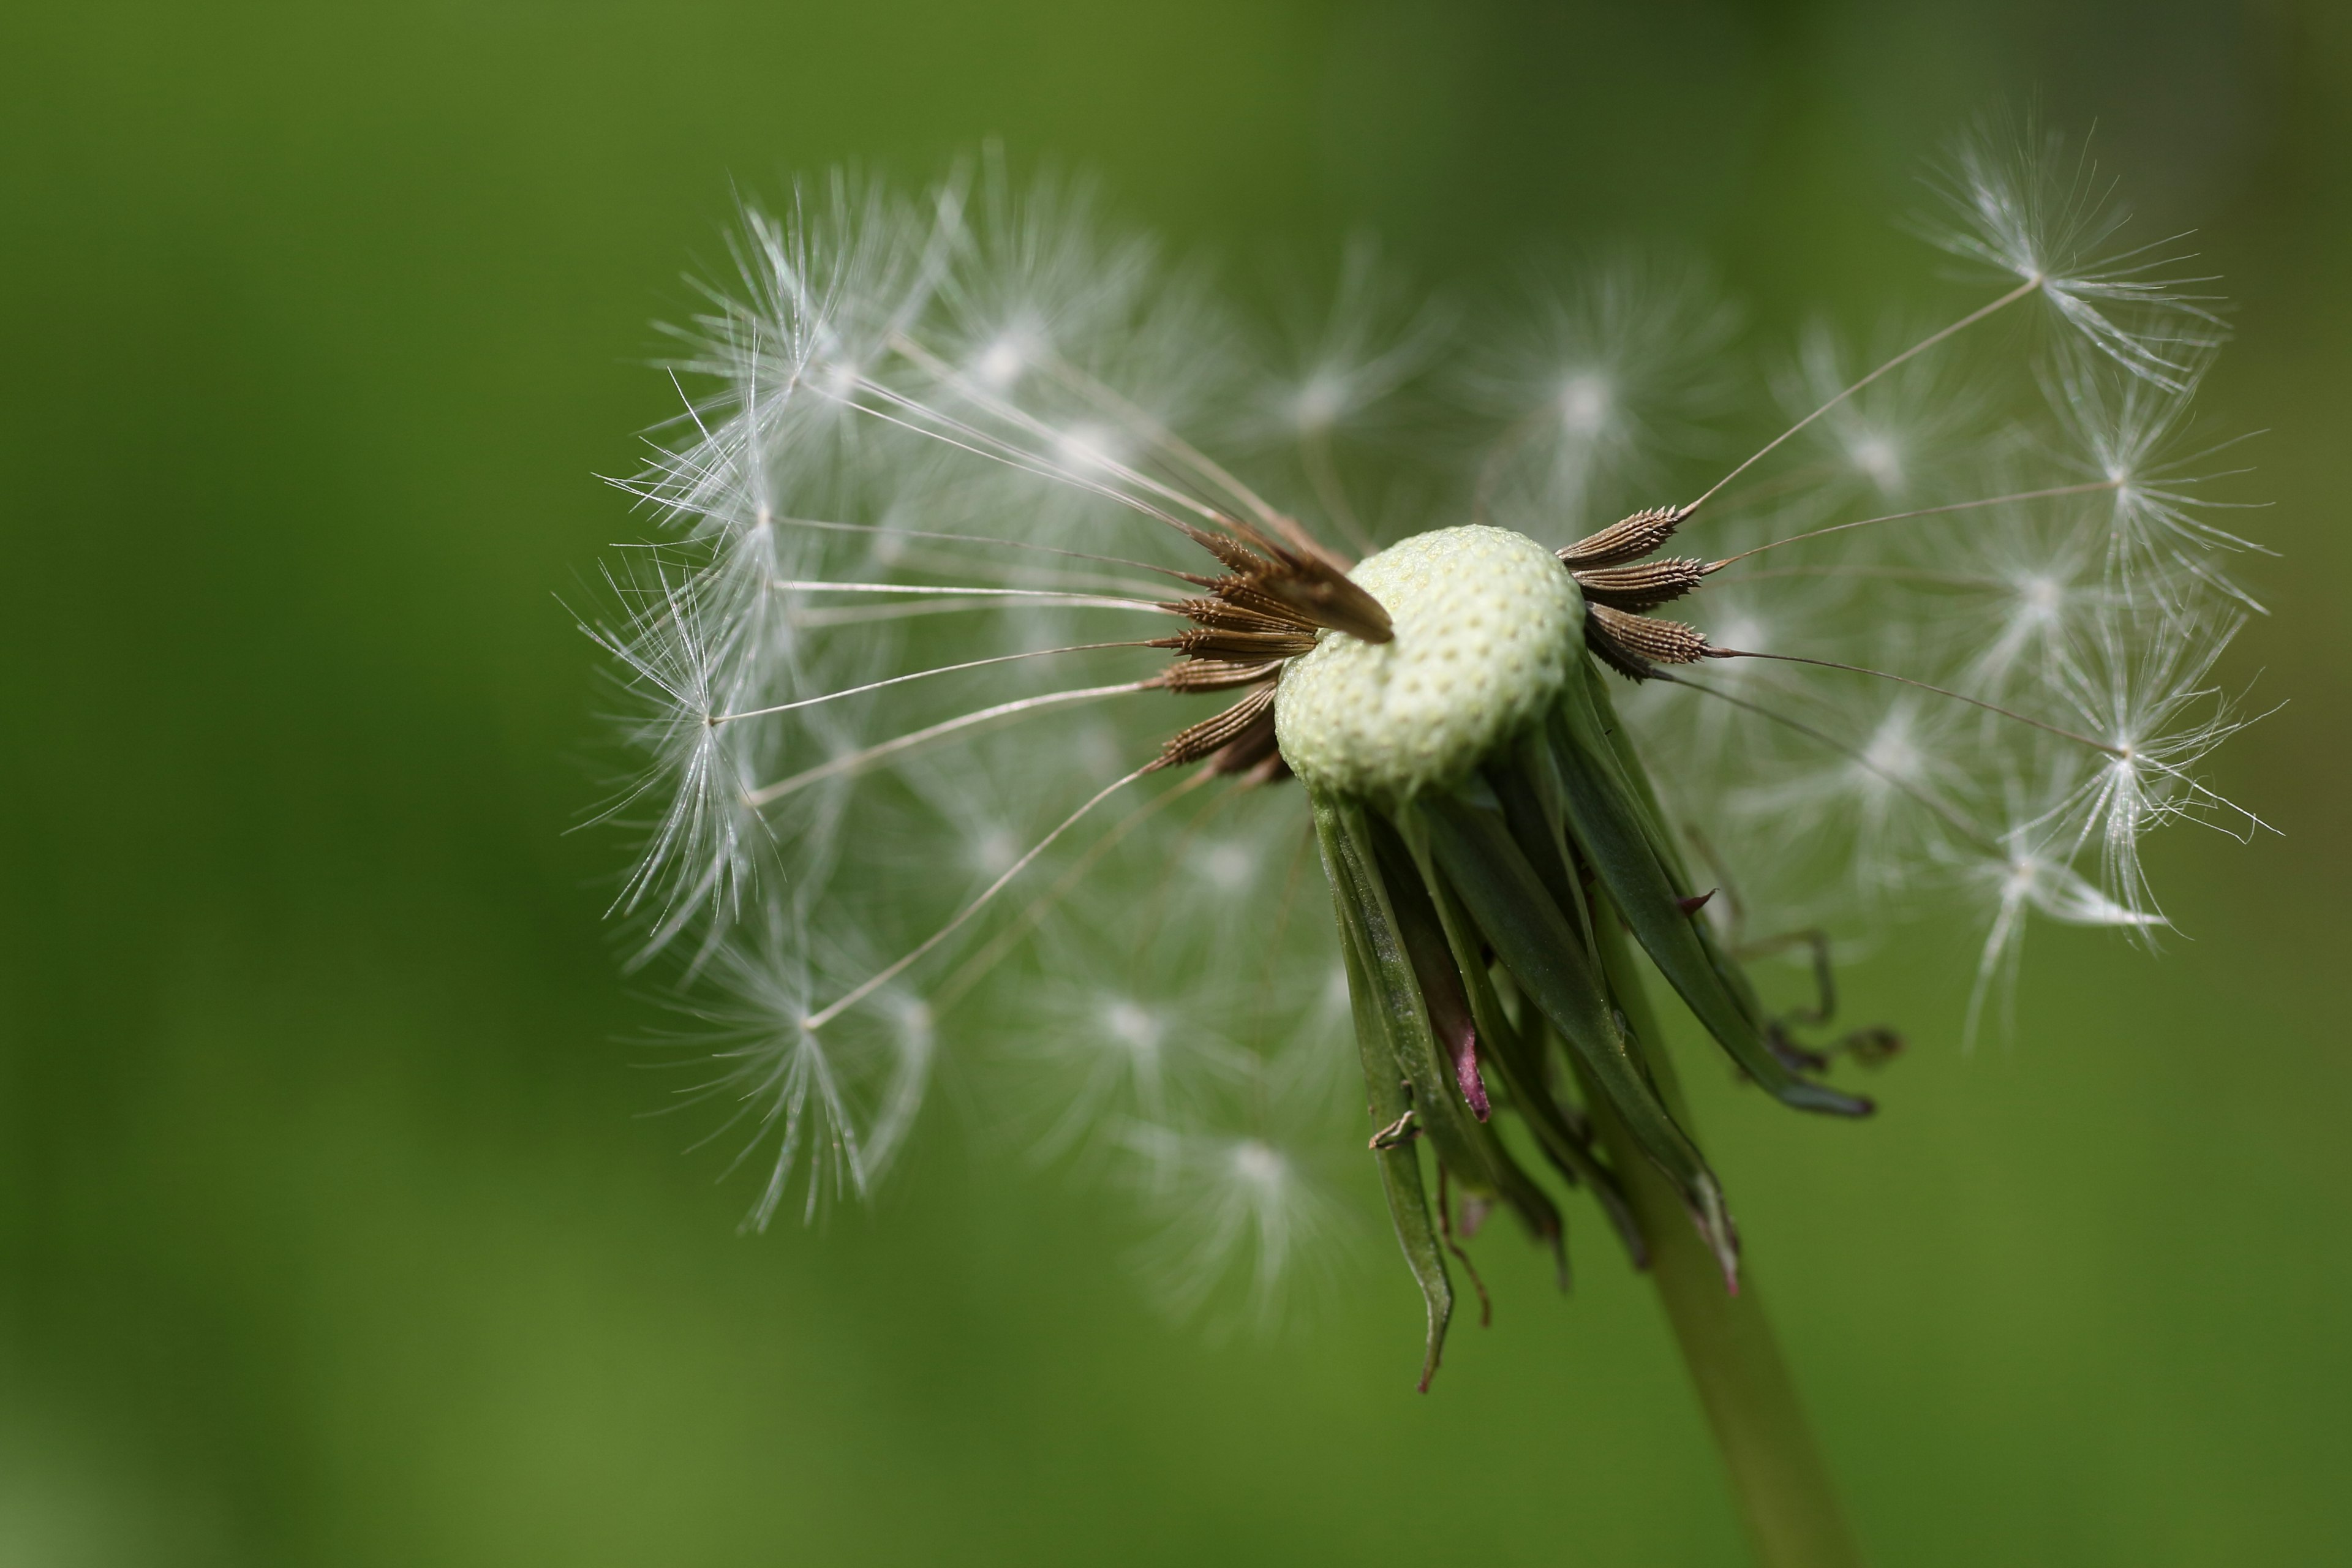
{"x": 1779, "y": 1479}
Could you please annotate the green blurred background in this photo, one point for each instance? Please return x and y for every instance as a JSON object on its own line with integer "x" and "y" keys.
{"x": 330, "y": 1228}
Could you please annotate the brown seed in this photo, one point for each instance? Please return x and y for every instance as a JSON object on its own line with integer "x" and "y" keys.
{"x": 1253, "y": 751}
{"x": 1212, "y": 734}
{"x": 1217, "y": 642}
{"x": 1219, "y": 613}
{"x": 1635, "y": 646}
{"x": 1643, "y": 585}
{"x": 1629, "y": 539}
{"x": 1217, "y": 674}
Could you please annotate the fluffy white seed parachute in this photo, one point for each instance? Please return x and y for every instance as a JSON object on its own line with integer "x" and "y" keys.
{"x": 941, "y": 484}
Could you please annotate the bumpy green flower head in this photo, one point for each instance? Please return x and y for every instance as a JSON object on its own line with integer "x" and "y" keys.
{"x": 1487, "y": 623}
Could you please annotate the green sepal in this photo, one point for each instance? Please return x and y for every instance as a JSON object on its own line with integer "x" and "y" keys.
{"x": 1620, "y": 839}
{"x": 1471, "y": 1148}
{"x": 1397, "y": 915}
{"x": 1527, "y": 792}
{"x": 1519, "y": 1062}
{"x": 1653, "y": 827}
{"x": 1385, "y": 1001}
{"x": 1552, "y": 963}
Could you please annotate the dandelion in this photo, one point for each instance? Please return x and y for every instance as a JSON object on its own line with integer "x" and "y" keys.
{"x": 997, "y": 662}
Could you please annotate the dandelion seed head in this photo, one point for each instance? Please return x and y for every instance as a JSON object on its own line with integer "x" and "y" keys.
{"x": 925, "y": 666}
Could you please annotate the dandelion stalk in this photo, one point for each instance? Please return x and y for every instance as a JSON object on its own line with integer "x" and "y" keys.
{"x": 1781, "y": 1483}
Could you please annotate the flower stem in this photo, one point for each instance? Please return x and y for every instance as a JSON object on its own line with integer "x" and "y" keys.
{"x": 1779, "y": 1479}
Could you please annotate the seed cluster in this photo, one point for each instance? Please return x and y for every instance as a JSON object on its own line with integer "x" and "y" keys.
{"x": 1269, "y": 605}
{"x": 1621, "y": 585}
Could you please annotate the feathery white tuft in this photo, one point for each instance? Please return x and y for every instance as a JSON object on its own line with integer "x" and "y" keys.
{"x": 2027, "y": 203}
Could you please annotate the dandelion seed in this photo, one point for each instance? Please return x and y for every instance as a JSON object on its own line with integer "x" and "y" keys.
{"x": 2023, "y": 879}
{"x": 2027, "y": 204}
{"x": 1889, "y": 436}
{"x": 701, "y": 850}
{"x": 2130, "y": 433}
{"x": 1602, "y": 376}
{"x": 836, "y": 1107}
{"x": 1242, "y": 1219}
